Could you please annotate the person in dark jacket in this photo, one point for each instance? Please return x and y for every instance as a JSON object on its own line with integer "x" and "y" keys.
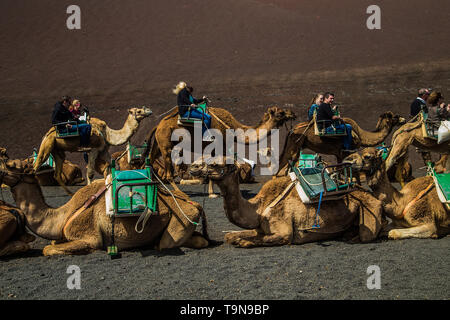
{"x": 326, "y": 112}
{"x": 420, "y": 102}
{"x": 61, "y": 113}
{"x": 187, "y": 107}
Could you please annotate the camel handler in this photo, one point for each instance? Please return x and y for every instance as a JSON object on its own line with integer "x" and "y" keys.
{"x": 187, "y": 107}
{"x": 61, "y": 113}
{"x": 326, "y": 112}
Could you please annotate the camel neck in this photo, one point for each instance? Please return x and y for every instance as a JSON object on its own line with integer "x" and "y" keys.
{"x": 121, "y": 136}
{"x": 382, "y": 187}
{"x": 238, "y": 210}
{"x": 43, "y": 220}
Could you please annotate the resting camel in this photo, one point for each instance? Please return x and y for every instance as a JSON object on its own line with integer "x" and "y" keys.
{"x": 222, "y": 120}
{"x": 13, "y": 237}
{"x": 101, "y": 138}
{"x": 91, "y": 229}
{"x": 71, "y": 174}
{"x": 287, "y": 220}
{"x": 415, "y": 210}
{"x": 302, "y": 136}
{"x": 411, "y": 134}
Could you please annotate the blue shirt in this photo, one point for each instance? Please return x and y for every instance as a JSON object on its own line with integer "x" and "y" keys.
{"x": 311, "y": 111}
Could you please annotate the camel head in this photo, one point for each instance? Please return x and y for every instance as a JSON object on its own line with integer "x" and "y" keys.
{"x": 140, "y": 113}
{"x": 14, "y": 171}
{"x": 278, "y": 116}
{"x": 389, "y": 120}
{"x": 368, "y": 160}
{"x": 214, "y": 170}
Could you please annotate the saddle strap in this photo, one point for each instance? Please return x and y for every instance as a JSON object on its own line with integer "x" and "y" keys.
{"x": 218, "y": 119}
{"x": 266, "y": 211}
{"x": 418, "y": 197}
{"x": 20, "y": 223}
{"x": 83, "y": 207}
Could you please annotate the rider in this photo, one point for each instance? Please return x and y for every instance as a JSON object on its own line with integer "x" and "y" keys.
{"x": 315, "y": 103}
{"x": 326, "y": 112}
{"x": 62, "y": 113}
{"x": 420, "y": 103}
{"x": 187, "y": 106}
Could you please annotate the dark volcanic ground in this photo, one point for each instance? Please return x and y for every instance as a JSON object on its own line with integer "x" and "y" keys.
{"x": 246, "y": 55}
{"x": 410, "y": 269}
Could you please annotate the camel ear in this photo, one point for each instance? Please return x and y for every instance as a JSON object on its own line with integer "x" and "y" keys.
{"x": 3, "y": 152}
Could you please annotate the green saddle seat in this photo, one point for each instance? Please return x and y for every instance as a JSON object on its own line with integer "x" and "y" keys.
{"x": 133, "y": 191}
{"x": 48, "y": 164}
{"x": 442, "y": 182}
{"x": 314, "y": 179}
{"x": 135, "y": 153}
{"x": 191, "y": 121}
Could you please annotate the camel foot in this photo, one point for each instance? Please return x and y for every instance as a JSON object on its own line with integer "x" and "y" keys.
{"x": 14, "y": 247}
{"x": 213, "y": 195}
{"x": 196, "y": 241}
{"x": 76, "y": 247}
{"x": 421, "y": 232}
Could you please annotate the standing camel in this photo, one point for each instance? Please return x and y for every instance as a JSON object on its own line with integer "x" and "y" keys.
{"x": 411, "y": 133}
{"x": 222, "y": 120}
{"x": 81, "y": 233}
{"x": 415, "y": 210}
{"x": 277, "y": 216}
{"x": 303, "y": 137}
{"x": 102, "y": 137}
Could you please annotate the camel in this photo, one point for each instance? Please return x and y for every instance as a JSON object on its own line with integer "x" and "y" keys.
{"x": 411, "y": 133}
{"x": 83, "y": 232}
{"x": 221, "y": 120}
{"x": 13, "y": 236}
{"x": 287, "y": 220}
{"x": 101, "y": 138}
{"x": 303, "y": 137}
{"x": 415, "y": 210}
{"x": 245, "y": 171}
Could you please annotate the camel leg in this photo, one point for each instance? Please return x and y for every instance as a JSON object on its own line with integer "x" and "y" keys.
{"x": 211, "y": 190}
{"x": 69, "y": 248}
{"x": 177, "y": 233}
{"x": 244, "y": 240}
{"x": 105, "y": 167}
{"x": 398, "y": 150}
{"x": 196, "y": 241}
{"x": 59, "y": 160}
{"x": 90, "y": 172}
{"x": 424, "y": 231}
{"x": 14, "y": 247}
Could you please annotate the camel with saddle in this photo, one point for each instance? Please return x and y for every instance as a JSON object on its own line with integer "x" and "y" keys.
{"x": 222, "y": 120}
{"x": 102, "y": 137}
{"x": 305, "y": 135}
{"x": 418, "y": 210}
{"x": 81, "y": 225}
{"x": 416, "y": 133}
{"x": 277, "y": 215}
